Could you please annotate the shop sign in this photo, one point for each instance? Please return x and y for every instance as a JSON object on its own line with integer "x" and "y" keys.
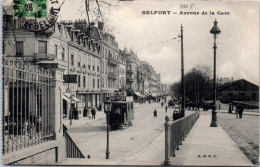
{"x": 70, "y": 78}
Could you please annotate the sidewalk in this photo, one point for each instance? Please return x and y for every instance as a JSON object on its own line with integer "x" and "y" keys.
{"x": 85, "y": 120}
{"x": 244, "y": 113}
{"x": 209, "y": 146}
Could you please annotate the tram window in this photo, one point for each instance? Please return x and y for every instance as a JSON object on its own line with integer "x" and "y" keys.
{"x": 132, "y": 106}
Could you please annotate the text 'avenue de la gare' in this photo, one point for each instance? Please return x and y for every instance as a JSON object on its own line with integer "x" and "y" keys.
{"x": 162, "y": 12}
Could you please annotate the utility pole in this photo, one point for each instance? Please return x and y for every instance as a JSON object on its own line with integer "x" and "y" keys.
{"x": 182, "y": 76}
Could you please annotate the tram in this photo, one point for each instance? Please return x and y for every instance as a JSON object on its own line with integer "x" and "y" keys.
{"x": 122, "y": 112}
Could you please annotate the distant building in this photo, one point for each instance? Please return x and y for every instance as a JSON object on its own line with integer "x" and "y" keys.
{"x": 222, "y": 81}
{"x": 239, "y": 90}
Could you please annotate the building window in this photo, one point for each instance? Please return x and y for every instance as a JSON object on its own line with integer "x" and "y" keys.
{"x": 93, "y": 68}
{"x": 72, "y": 59}
{"x": 102, "y": 83}
{"x": 89, "y": 66}
{"x": 84, "y": 81}
{"x": 78, "y": 80}
{"x": 98, "y": 83}
{"x": 93, "y": 83}
{"x": 19, "y": 48}
{"x": 42, "y": 48}
{"x": 97, "y": 68}
{"x": 63, "y": 54}
{"x": 56, "y": 51}
{"x": 78, "y": 64}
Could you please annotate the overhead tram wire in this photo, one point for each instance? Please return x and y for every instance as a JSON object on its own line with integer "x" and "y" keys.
{"x": 161, "y": 43}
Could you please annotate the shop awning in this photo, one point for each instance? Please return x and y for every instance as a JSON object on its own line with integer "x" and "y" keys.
{"x": 75, "y": 99}
{"x": 137, "y": 93}
{"x": 65, "y": 98}
{"x": 69, "y": 96}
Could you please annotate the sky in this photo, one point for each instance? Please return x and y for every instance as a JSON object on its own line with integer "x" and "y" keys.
{"x": 150, "y": 35}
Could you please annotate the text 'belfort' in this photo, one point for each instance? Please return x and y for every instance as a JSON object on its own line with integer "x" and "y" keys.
{"x": 164, "y": 12}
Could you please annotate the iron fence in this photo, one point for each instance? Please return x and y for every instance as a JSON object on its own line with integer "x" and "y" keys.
{"x": 26, "y": 106}
{"x": 176, "y": 132}
{"x": 72, "y": 150}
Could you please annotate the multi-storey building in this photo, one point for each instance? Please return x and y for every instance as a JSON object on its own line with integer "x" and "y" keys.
{"x": 152, "y": 80}
{"x": 111, "y": 63}
{"x": 87, "y": 53}
{"x": 122, "y": 72}
{"x": 133, "y": 75}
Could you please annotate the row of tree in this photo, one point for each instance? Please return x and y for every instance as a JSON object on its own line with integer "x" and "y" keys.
{"x": 197, "y": 85}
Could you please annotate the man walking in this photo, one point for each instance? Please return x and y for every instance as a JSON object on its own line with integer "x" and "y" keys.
{"x": 155, "y": 113}
{"x": 85, "y": 112}
{"x": 93, "y": 112}
{"x": 166, "y": 108}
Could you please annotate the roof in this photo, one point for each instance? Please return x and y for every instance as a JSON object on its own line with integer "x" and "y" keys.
{"x": 239, "y": 85}
{"x": 145, "y": 66}
{"x": 125, "y": 51}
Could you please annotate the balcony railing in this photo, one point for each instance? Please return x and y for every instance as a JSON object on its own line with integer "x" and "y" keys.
{"x": 130, "y": 71}
{"x": 130, "y": 79}
{"x": 112, "y": 61}
{"x": 113, "y": 75}
{"x": 44, "y": 56}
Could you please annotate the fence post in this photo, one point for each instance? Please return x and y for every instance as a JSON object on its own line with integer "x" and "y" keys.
{"x": 167, "y": 140}
{"x": 56, "y": 107}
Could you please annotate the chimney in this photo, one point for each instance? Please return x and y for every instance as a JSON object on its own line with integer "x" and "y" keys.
{"x": 100, "y": 25}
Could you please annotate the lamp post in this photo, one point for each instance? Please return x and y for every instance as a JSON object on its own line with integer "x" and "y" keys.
{"x": 215, "y": 31}
{"x": 107, "y": 107}
{"x": 71, "y": 109}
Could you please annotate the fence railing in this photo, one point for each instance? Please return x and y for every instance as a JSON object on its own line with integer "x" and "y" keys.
{"x": 26, "y": 109}
{"x": 176, "y": 132}
{"x": 72, "y": 150}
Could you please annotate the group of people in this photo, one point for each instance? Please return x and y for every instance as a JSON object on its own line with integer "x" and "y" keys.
{"x": 74, "y": 113}
{"x": 86, "y": 112}
{"x": 239, "y": 110}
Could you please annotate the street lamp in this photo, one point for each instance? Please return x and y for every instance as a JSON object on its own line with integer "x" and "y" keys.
{"x": 107, "y": 107}
{"x": 215, "y": 31}
{"x": 71, "y": 109}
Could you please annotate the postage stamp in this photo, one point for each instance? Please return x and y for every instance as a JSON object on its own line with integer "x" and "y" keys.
{"x": 30, "y": 8}
{"x": 36, "y": 15}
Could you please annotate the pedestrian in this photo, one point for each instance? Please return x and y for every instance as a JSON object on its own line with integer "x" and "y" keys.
{"x": 76, "y": 114}
{"x": 241, "y": 111}
{"x": 230, "y": 109}
{"x": 166, "y": 108}
{"x": 162, "y": 104}
{"x": 93, "y": 112}
{"x": 85, "y": 112}
{"x": 88, "y": 110}
{"x": 237, "y": 111}
{"x": 155, "y": 113}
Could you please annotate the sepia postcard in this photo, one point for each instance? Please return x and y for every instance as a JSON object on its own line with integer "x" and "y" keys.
{"x": 130, "y": 82}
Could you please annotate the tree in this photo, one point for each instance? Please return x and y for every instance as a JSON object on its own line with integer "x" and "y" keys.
{"x": 197, "y": 84}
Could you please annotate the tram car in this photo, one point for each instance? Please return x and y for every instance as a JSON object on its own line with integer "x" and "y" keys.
{"x": 122, "y": 112}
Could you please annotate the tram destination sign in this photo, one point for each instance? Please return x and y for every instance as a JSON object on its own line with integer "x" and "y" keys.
{"x": 118, "y": 98}
{"x": 122, "y": 98}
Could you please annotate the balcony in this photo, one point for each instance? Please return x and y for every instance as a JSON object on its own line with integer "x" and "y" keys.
{"x": 112, "y": 61}
{"x": 112, "y": 75}
{"x": 130, "y": 71}
{"x": 130, "y": 80}
{"x": 44, "y": 56}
